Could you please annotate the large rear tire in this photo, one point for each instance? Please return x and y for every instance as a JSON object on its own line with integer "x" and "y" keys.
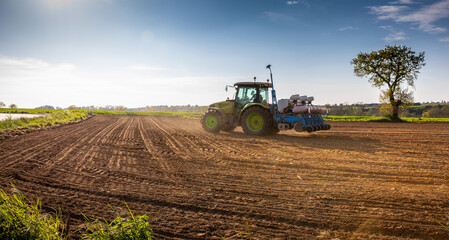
{"x": 257, "y": 121}
{"x": 211, "y": 122}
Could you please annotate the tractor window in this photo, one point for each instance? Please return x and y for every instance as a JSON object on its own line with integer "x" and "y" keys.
{"x": 263, "y": 93}
{"x": 246, "y": 95}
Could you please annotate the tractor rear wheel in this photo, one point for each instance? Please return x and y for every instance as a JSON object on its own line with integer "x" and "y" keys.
{"x": 257, "y": 120}
{"x": 211, "y": 122}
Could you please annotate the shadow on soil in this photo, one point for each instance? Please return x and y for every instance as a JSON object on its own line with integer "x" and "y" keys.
{"x": 315, "y": 140}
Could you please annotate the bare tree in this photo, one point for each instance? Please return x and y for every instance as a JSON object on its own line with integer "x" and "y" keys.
{"x": 73, "y": 107}
{"x": 120, "y": 108}
{"x": 13, "y": 105}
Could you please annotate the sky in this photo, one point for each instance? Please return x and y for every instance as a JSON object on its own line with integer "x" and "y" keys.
{"x": 176, "y": 52}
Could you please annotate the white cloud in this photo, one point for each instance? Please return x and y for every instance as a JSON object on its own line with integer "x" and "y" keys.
{"x": 296, "y": 2}
{"x": 397, "y": 36}
{"x": 142, "y": 67}
{"x": 16, "y": 66}
{"x": 446, "y": 39}
{"x": 403, "y": 2}
{"x": 425, "y": 18}
{"x": 346, "y": 28}
{"x": 387, "y": 12}
{"x": 30, "y": 82}
{"x": 279, "y": 17}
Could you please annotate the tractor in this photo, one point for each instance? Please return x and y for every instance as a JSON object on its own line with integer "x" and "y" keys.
{"x": 251, "y": 110}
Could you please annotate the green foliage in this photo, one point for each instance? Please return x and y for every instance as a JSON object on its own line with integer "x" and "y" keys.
{"x": 354, "y": 118}
{"x": 34, "y": 111}
{"x": 437, "y": 111}
{"x": 240, "y": 234}
{"x": 382, "y": 119}
{"x": 417, "y": 110}
{"x": 58, "y": 116}
{"x": 121, "y": 228}
{"x": 390, "y": 67}
{"x": 357, "y": 109}
{"x": 160, "y": 114}
{"x": 55, "y": 117}
{"x": 22, "y": 219}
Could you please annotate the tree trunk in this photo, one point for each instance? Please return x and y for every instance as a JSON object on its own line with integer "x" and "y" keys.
{"x": 395, "y": 111}
{"x": 394, "y": 106}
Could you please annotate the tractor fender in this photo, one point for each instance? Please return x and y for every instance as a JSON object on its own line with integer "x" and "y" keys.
{"x": 214, "y": 109}
{"x": 251, "y": 105}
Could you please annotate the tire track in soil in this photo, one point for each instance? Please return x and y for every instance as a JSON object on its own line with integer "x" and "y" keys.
{"x": 196, "y": 185}
{"x": 37, "y": 149}
{"x": 153, "y": 151}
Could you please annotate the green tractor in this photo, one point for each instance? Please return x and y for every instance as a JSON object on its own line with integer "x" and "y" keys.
{"x": 251, "y": 110}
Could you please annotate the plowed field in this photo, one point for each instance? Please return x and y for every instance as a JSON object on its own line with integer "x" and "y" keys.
{"x": 355, "y": 181}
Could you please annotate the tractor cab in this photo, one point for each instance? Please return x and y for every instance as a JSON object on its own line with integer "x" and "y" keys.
{"x": 250, "y": 92}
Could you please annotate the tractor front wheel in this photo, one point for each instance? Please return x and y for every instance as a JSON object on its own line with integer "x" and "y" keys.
{"x": 211, "y": 122}
{"x": 257, "y": 121}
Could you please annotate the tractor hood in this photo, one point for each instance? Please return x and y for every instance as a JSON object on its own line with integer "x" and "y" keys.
{"x": 225, "y": 106}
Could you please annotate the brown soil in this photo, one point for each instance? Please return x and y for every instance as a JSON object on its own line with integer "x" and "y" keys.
{"x": 356, "y": 181}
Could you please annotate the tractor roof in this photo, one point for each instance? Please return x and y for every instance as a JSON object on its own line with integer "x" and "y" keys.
{"x": 253, "y": 84}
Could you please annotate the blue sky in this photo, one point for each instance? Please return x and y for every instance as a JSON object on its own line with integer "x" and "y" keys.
{"x": 176, "y": 52}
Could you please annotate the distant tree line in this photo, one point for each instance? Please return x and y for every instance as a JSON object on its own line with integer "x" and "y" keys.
{"x": 159, "y": 108}
{"x": 46, "y": 107}
{"x": 180, "y": 108}
{"x": 12, "y": 105}
{"x": 427, "y": 110}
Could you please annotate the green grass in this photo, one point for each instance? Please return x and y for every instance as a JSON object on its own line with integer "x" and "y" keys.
{"x": 22, "y": 219}
{"x": 25, "y": 110}
{"x": 382, "y": 119}
{"x": 121, "y": 228}
{"x": 160, "y": 114}
{"x": 55, "y": 117}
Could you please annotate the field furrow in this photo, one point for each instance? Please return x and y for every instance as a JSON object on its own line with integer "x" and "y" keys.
{"x": 359, "y": 180}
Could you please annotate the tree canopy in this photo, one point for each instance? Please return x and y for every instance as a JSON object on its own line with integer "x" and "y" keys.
{"x": 390, "y": 67}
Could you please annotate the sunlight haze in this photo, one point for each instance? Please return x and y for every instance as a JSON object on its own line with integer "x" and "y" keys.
{"x": 177, "y": 52}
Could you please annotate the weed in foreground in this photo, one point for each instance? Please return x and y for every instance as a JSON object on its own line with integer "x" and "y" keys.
{"x": 21, "y": 218}
{"x": 444, "y": 226}
{"x": 133, "y": 227}
{"x": 240, "y": 234}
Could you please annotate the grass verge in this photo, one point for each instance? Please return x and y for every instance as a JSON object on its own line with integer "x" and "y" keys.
{"x": 121, "y": 228}
{"x": 21, "y": 218}
{"x": 382, "y": 119}
{"x": 160, "y": 114}
{"x": 55, "y": 117}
